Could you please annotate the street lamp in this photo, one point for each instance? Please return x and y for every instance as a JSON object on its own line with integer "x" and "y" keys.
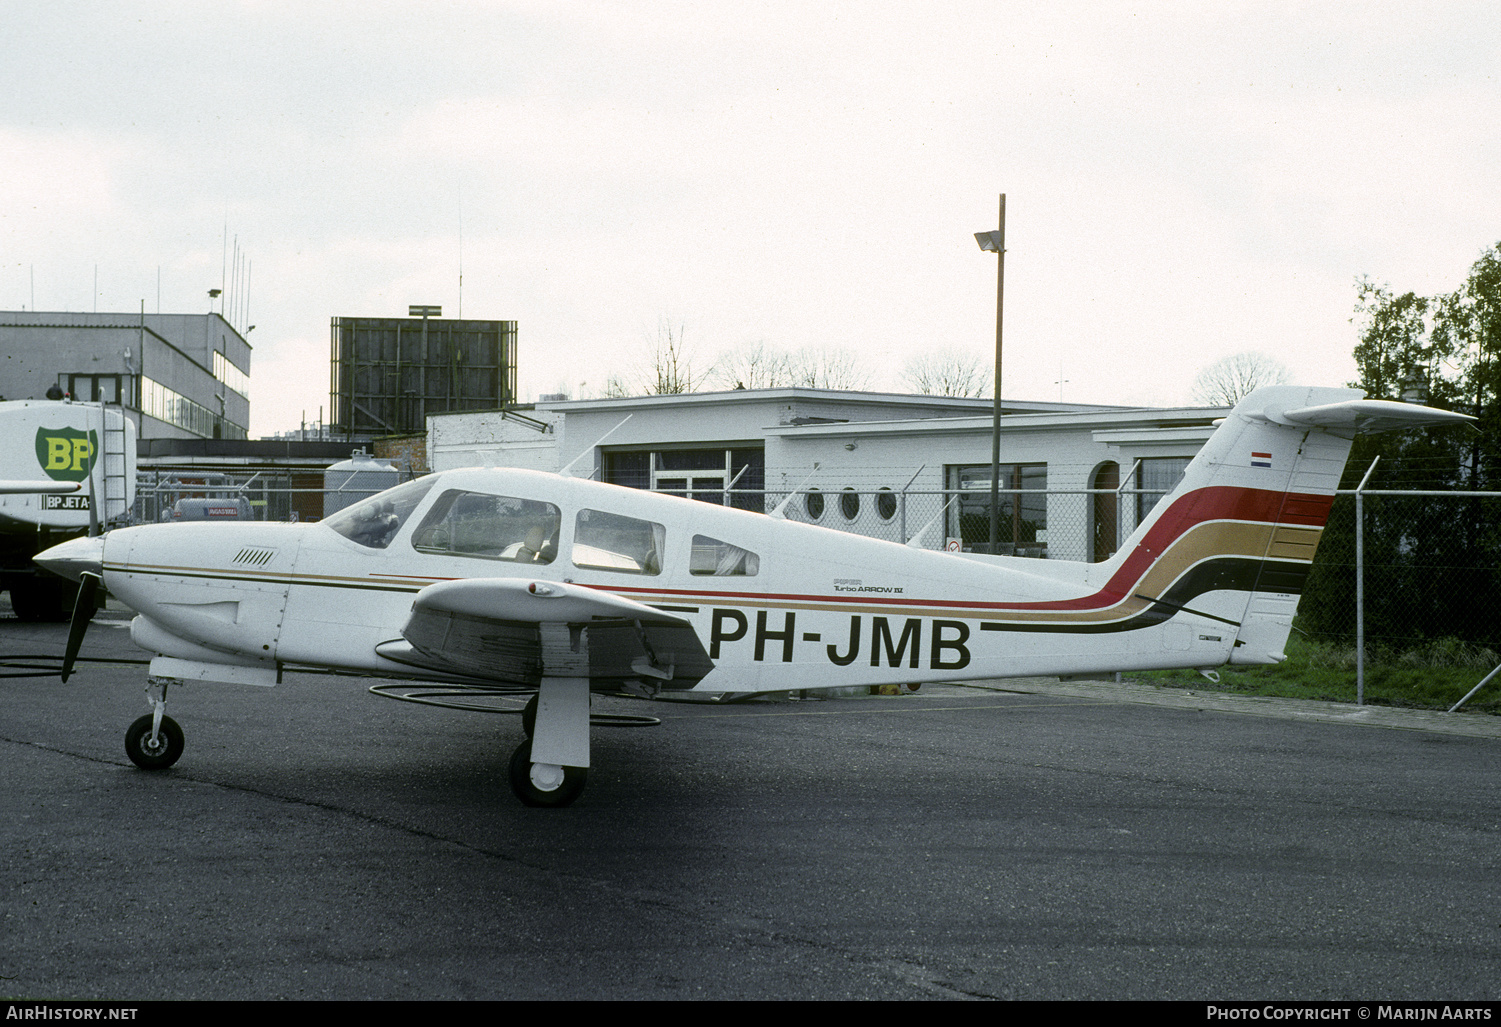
{"x": 995, "y": 242}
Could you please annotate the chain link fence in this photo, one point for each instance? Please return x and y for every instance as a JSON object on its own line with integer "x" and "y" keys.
{"x": 1430, "y": 574}
{"x": 282, "y": 496}
{"x": 1419, "y": 577}
{"x": 1081, "y": 524}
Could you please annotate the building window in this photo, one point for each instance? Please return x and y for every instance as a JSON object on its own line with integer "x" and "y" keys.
{"x": 813, "y": 504}
{"x": 702, "y": 474}
{"x": 1156, "y": 477}
{"x": 849, "y": 504}
{"x": 93, "y": 388}
{"x": 231, "y": 375}
{"x": 886, "y": 504}
{"x": 633, "y": 470}
{"x": 1023, "y": 515}
{"x": 164, "y": 404}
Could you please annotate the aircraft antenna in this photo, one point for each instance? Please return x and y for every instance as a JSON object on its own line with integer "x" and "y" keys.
{"x": 461, "y": 250}
{"x": 589, "y": 451}
{"x": 915, "y": 542}
{"x": 731, "y": 485}
{"x": 780, "y": 513}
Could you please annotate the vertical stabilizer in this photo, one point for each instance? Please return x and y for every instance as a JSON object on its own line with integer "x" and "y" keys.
{"x": 1235, "y": 540}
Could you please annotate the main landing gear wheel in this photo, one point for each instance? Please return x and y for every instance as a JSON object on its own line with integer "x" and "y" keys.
{"x": 542, "y": 784}
{"x": 153, "y": 754}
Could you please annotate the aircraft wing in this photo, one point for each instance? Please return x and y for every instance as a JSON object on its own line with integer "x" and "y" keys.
{"x": 518, "y": 630}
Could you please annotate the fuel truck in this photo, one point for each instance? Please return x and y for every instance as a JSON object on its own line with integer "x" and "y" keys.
{"x": 66, "y": 469}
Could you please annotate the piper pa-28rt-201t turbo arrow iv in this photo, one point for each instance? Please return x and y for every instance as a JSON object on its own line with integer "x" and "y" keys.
{"x": 569, "y": 586}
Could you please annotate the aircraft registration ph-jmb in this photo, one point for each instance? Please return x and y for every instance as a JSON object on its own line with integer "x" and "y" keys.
{"x": 569, "y": 586}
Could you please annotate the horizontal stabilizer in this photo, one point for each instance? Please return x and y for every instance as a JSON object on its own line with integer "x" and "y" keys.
{"x": 1362, "y": 416}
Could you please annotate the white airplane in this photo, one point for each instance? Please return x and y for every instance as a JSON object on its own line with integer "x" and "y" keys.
{"x": 570, "y": 586}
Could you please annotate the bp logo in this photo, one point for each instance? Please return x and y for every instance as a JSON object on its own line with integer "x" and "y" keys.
{"x": 66, "y": 454}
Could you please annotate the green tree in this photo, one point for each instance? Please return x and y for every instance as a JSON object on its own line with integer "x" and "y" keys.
{"x": 1433, "y": 564}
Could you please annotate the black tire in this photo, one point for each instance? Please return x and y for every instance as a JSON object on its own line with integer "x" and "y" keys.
{"x": 153, "y": 757}
{"x": 28, "y": 600}
{"x": 43, "y": 598}
{"x": 528, "y": 792}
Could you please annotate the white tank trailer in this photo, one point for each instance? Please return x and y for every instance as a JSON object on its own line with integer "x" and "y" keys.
{"x": 64, "y": 468}
{"x": 355, "y": 480}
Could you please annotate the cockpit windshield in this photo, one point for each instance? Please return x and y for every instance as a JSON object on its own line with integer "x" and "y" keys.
{"x": 374, "y": 522}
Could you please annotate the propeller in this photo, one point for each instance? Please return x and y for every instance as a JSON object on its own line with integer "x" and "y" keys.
{"x": 83, "y": 613}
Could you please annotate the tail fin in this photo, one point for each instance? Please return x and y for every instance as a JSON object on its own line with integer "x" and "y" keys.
{"x": 1235, "y": 539}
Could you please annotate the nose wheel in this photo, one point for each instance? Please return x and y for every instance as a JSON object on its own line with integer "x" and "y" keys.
{"x": 153, "y": 746}
{"x": 154, "y": 742}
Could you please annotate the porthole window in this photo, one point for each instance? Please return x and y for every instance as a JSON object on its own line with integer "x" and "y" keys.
{"x": 886, "y": 504}
{"x": 813, "y": 504}
{"x": 849, "y": 504}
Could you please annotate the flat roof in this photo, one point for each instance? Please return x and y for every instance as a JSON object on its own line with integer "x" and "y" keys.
{"x": 961, "y": 405}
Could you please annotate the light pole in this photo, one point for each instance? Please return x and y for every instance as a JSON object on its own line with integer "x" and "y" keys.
{"x": 995, "y": 242}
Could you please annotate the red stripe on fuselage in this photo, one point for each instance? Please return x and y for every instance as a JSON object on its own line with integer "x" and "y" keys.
{"x": 1200, "y": 506}
{"x": 1214, "y": 503}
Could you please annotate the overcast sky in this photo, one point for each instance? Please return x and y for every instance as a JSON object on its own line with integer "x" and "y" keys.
{"x": 1184, "y": 181}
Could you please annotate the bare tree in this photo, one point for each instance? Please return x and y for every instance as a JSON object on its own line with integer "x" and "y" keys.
{"x": 757, "y": 366}
{"x": 1228, "y": 381}
{"x": 760, "y": 366}
{"x": 819, "y": 367}
{"x": 672, "y": 362}
{"x": 669, "y": 367}
{"x": 948, "y": 373}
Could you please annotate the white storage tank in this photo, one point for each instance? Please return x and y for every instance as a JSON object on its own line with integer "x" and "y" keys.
{"x": 238, "y": 509}
{"x": 360, "y": 477}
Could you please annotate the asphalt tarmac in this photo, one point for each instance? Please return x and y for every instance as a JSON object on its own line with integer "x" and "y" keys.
{"x": 1014, "y": 840}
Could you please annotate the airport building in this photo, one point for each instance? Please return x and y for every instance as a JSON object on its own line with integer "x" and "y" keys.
{"x": 177, "y": 376}
{"x": 1075, "y": 479}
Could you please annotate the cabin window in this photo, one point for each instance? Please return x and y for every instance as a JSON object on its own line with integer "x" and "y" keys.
{"x": 612, "y": 542}
{"x": 376, "y": 521}
{"x": 490, "y": 527}
{"x": 721, "y": 559}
